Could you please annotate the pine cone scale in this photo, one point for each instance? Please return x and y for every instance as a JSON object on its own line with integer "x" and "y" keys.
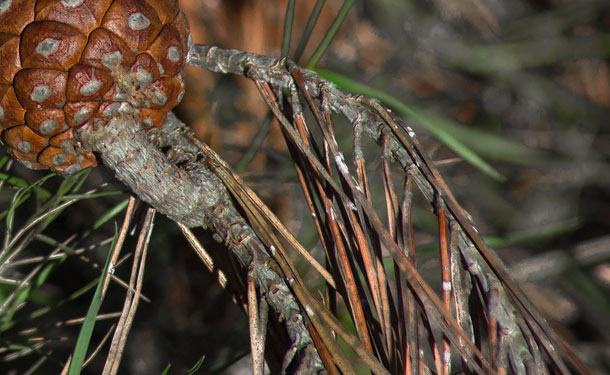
{"x": 85, "y": 15}
{"x": 9, "y": 50}
{"x": 50, "y": 45}
{"x": 15, "y": 15}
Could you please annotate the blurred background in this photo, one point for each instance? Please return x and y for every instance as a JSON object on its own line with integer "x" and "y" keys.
{"x": 524, "y": 86}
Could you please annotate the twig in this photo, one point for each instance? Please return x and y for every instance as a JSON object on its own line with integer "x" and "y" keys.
{"x": 202, "y": 253}
{"x": 257, "y": 319}
{"x": 132, "y": 297}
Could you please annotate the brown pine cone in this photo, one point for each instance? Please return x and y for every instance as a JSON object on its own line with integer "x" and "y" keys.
{"x": 64, "y": 63}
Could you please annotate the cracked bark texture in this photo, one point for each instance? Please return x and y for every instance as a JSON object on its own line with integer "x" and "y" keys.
{"x": 181, "y": 187}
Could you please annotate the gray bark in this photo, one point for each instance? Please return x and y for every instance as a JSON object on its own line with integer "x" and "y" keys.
{"x": 180, "y": 186}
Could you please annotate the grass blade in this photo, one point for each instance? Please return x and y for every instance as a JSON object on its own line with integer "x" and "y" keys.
{"x": 330, "y": 34}
{"x": 288, "y": 23}
{"x": 311, "y": 23}
{"x": 84, "y": 337}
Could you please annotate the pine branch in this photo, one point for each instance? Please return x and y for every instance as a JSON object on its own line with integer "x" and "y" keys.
{"x": 181, "y": 184}
{"x": 521, "y": 329}
{"x": 185, "y": 190}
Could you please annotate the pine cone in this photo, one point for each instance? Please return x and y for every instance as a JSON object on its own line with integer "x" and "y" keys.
{"x": 66, "y": 63}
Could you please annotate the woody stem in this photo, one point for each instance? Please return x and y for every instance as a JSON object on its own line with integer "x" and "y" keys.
{"x": 180, "y": 186}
